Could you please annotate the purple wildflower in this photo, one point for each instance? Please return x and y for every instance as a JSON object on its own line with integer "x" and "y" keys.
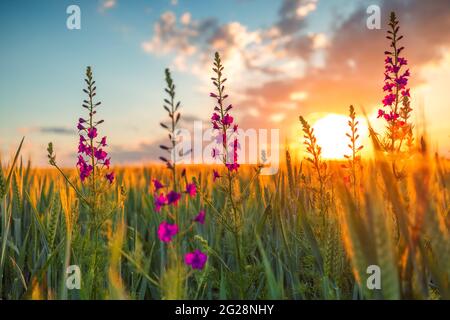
{"x": 200, "y": 218}
{"x": 191, "y": 189}
{"x": 157, "y": 184}
{"x": 196, "y": 259}
{"x": 110, "y": 177}
{"x": 160, "y": 201}
{"x": 92, "y": 133}
{"x": 173, "y": 197}
{"x": 216, "y": 175}
{"x": 167, "y": 231}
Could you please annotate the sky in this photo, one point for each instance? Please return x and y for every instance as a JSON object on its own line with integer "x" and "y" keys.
{"x": 283, "y": 59}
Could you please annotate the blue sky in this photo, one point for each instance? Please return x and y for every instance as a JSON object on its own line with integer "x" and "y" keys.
{"x": 42, "y": 64}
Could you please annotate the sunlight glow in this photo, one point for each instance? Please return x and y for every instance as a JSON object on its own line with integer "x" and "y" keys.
{"x": 330, "y": 133}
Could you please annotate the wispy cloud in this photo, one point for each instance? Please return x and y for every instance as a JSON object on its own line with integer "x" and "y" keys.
{"x": 48, "y": 130}
{"x": 106, "y": 5}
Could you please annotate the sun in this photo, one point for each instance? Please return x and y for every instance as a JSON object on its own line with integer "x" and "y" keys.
{"x": 331, "y": 132}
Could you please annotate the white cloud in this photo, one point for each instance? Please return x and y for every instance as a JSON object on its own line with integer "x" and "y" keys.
{"x": 306, "y": 8}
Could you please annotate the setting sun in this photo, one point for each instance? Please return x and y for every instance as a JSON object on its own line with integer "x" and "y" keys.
{"x": 330, "y": 133}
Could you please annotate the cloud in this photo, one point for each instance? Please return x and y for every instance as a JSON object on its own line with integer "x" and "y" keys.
{"x": 63, "y": 131}
{"x": 248, "y": 54}
{"x": 56, "y": 130}
{"x": 292, "y": 15}
{"x": 169, "y": 36}
{"x": 106, "y": 5}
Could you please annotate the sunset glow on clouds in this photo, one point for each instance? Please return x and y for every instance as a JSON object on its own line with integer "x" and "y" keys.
{"x": 297, "y": 57}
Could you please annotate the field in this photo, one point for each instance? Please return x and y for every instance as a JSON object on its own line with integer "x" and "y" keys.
{"x": 295, "y": 241}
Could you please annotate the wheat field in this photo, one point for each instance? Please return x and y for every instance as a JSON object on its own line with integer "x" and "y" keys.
{"x": 295, "y": 242}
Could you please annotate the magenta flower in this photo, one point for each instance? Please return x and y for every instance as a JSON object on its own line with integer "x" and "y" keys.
{"x": 402, "y": 61}
{"x": 200, "y": 218}
{"x": 80, "y": 127}
{"x": 388, "y": 87}
{"x": 392, "y": 116}
{"x": 227, "y": 120}
{"x": 381, "y": 113}
{"x": 160, "y": 201}
{"x": 157, "y": 184}
{"x": 389, "y": 99}
{"x": 191, "y": 189}
{"x": 167, "y": 231}
{"x": 173, "y": 197}
{"x": 110, "y": 177}
{"x": 100, "y": 154}
{"x": 405, "y": 93}
{"x": 216, "y": 175}
{"x": 85, "y": 171}
{"x": 233, "y": 166}
{"x": 401, "y": 82}
{"x": 196, "y": 259}
{"x": 82, "y": 148}
{"x": 107, "y": 163}
{"x": 215, "y": 117}
{"x": 103, "y": 142}
{"x": 92, "y": 133}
